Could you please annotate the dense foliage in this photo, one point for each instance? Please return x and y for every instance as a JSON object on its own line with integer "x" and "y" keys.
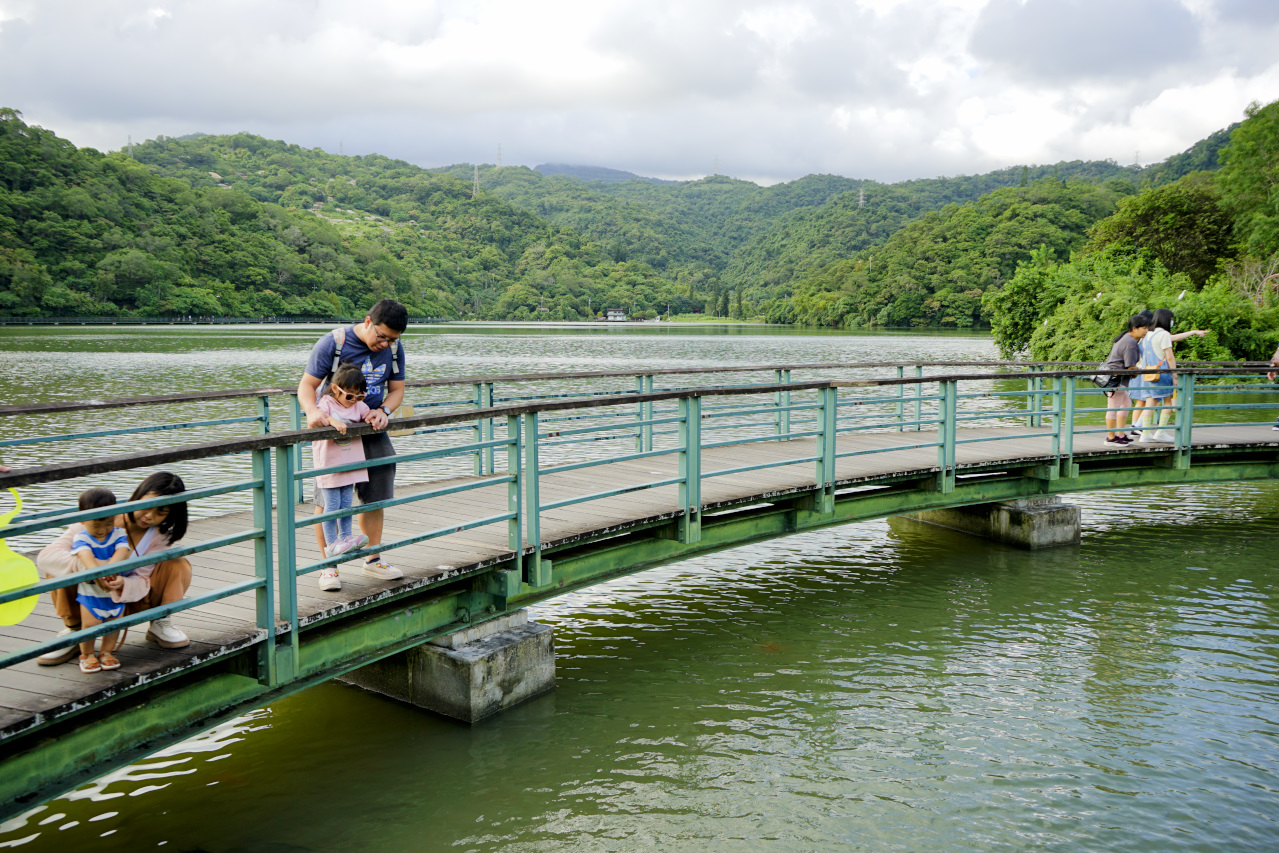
{"x": 244, "y": 226}
{"x": 934, "y": 272}
{"x": 1204, "y": 245}
{"x": 240, "y": 225}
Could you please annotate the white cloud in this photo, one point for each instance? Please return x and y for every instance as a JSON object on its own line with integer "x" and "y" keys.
{"x": 775, "y": 88}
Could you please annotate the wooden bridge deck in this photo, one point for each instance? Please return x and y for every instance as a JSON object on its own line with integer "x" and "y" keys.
{"x": 32, "y": 694}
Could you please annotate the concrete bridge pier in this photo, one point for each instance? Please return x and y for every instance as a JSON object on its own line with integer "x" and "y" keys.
{"x": 1040, "y": 522}
{"x": 470, "y": 674}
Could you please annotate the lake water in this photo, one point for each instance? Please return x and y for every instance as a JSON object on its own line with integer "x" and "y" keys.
{"x": 879, "y": 686}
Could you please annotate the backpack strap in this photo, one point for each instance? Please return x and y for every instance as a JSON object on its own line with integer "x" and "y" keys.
{"x": 339, "y": 341}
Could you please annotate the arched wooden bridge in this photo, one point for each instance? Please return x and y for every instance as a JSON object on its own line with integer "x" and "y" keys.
{"x": 570, "y": 483}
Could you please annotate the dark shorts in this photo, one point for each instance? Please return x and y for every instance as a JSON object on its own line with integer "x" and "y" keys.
{"x": 381, "y": 482}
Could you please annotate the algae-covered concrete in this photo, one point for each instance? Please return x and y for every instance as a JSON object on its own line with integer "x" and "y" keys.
{"x": 471, "y": 674}
{"x": 1033, "y": 523}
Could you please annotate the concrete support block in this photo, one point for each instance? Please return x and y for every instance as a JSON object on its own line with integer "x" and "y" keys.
{"x": 1042, "y": 522}
{"x": 470, "y": 674}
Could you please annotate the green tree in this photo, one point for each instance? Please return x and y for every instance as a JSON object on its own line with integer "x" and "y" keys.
{"x": 1249, "y": 179}
{"x": 1182, "y": 224}
{"x": 1023, "y": 303}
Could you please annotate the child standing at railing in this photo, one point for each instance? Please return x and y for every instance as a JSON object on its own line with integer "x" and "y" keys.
{"x": 1124, "y": 353}
{"x": 1154, "y": 384}
{"x": 342, "y": 403}
{"x": 100, "y": 543}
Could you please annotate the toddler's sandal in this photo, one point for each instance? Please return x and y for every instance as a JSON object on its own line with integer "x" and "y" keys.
{"x": 89, "y": 664}
{"x": 108, "y": 661}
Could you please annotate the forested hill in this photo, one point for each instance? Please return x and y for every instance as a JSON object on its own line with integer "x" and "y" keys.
{"x": 241, "y": 225}
{"x": 934, "y": 271}
{"x": 245, "y": 226}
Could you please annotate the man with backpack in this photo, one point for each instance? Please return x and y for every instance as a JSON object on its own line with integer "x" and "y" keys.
{"x": 374, "y": 346}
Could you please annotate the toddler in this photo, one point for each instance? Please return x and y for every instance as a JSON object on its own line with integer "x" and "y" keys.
{"x": 100, "y": 542}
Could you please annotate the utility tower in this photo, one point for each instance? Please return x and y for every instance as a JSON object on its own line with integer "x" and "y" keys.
{"x": 499, "y": 155}
{"x": 475, "y": 184}
{"x": 861, "y": 197}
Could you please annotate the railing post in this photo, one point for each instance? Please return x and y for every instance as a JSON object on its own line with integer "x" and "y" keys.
{"x": 644, "y": 412}
{"x": 1035, "y": 401}
{"x": 294, "y": 489}
{"x": 781, "y": 400}
{"x": 477, "y": 431}
{"x": 1066, "y": 427}
{"x": 262, "y": 565}
{"x": 947, "y": 390}
{"x": 825, "y": 503}
{"x": 283, "y": 665}
{"x": 537, "y": 572}
{"x": 919, "y": 397}
{"x": 1055, "y": 413}
{"x": 264, "y": 415}
{"x": 508, "y": 582}
{"x": 514, "y": 499}
{"x": 901, "y": 397}
{"x": 487, "y": 425}
{"x": 1185, "y": 404}
{"x": 690, "y": 469}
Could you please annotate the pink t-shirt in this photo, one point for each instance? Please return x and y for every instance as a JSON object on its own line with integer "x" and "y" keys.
{"x": 342, "y": 451}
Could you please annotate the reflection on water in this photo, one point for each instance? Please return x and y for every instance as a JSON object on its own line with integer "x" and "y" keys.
{"x": 880, "y": 686}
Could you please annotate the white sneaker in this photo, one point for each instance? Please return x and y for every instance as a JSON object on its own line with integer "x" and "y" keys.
{"x": 383, "y": 572}
{"x": 58, "y": 656}
{"x": 329, "y": 581}
{"x": 1165, "y": 436}
{"x": 166, "y": 635}
{"x": 1146, "y": 438}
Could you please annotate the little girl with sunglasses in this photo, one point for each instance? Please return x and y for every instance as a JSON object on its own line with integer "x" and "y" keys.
{"x": 342, "y": 403}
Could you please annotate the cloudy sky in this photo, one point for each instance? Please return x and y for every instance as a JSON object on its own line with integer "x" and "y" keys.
{"x": 762, "y": 90}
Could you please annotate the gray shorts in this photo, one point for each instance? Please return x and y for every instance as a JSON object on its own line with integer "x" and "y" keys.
{"x": 381, "y": 482}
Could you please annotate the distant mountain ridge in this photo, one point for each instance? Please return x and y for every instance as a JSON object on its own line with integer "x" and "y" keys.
{"x": 595, "y": 173}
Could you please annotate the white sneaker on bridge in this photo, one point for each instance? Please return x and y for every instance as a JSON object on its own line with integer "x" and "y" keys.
{"x": 382, "y": 571}
{"x": 166, "y": 635}
{"x": 1165, "y": 436}
{"x": 329, "y": 581}
{"x": 58, "y": 656}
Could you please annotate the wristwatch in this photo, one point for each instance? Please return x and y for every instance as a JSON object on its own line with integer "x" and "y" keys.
{"x": 385, "y": 411}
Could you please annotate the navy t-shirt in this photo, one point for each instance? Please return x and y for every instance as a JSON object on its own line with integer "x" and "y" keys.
{"x": 378, "y": 367}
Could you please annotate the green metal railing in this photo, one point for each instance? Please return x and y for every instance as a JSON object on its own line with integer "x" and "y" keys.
{"x": 543, "y": 435}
